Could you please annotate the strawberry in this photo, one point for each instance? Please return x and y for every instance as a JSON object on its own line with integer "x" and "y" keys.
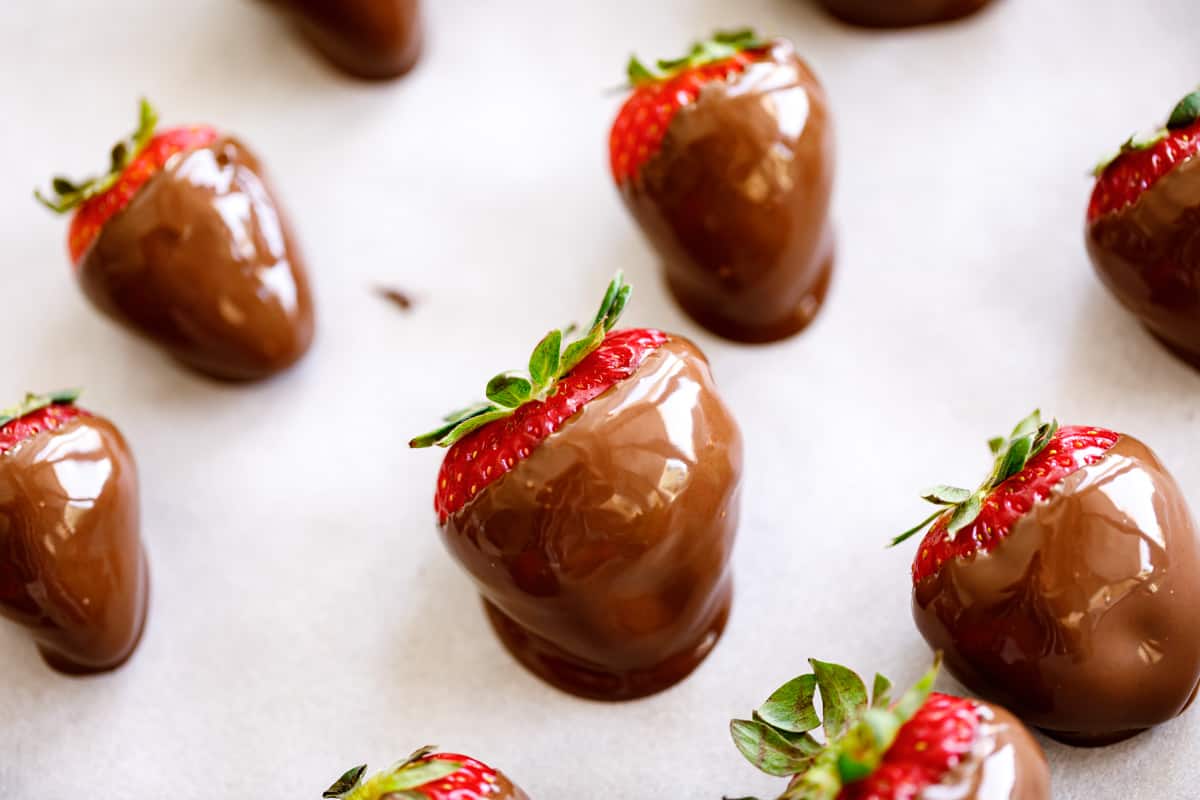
{"x": 1143, "y": 225}
{"x": 901, "y": 13}
{"x": 1044, "y": 586}
{"x": 1028, "y": 465}
{"x": 1145, "y": 159}
{"x": 564, "y": 491}
{"x": 427, "y": 775}
{"x": 725, "y": 157}
{"x": 134, "y": 161}
{"x": 884, "y": 750}
{"x": 72, "y": 567}
{"x": 660, "y": 92}
{"x": 155, "y": 248}
{"x": 369, "y": 39}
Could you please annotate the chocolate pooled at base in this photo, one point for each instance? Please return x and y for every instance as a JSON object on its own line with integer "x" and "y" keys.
{"x": 369, "y": 39}
{"x": 901, "y": 13}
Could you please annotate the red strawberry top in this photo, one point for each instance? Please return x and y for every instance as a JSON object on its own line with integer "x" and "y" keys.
{"x": 659, "y": 93}
{"x": 875, "y": 749}
{"x": 133, "y": 162}
{"x": 1144, "y": 160}
{"x": 489, "y": 439}
{"x": 35, "y": 414}
{"x": 1028, "y": 465}
{"x": 427, "y": 774}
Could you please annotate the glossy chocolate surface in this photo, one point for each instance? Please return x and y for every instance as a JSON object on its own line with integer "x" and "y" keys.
{"x": 1082, "y": 621}
{"x": 1005, "y": 762}
{"x": 203, "y": 263}
{"x": 900, "y": 13}
{"x": 72, "y": 568}
{"x": 736, "y": 202}
{"x": 372, "y": 39}
{"x": 1148, "y": 255}
{"x": 603, "y": 557}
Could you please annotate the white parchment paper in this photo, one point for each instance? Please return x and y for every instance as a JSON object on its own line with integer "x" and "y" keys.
{"x": 304, "y": 616}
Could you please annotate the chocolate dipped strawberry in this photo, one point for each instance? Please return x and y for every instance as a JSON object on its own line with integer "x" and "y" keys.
{"x": 183, "y": 242}
{"x": 72, "y": 567}
{"x": 925, "y": 746}
{"x": 427, "y": 775}
{"x": 595, "y": 501}
{"x": 1066, "y": 586}
{"x": 901, "y": 13}
{"x": 371, "y": 39}
{"x": 726, "y": 157}
{"x": 1143, "y": 229}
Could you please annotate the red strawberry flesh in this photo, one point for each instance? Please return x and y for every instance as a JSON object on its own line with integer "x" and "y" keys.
{"x": 50, "y": 418}
{"x": 92, "y": 215}
{"x": 642, "y": 121}
{"x": 1072, "y": 448}
{"x": 1135, "y": 171}
{"x": 485, "y": 455}
{"x": 927, "y": 746}
{"x": 473, "y": 781}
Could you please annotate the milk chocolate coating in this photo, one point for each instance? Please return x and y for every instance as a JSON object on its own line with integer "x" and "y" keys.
{"x": 504, "y": 789}
{"x": 1082, "y": 621}
{"x": 371, "y": 39}
{"x": 203, "y": 263}
{"x": 901, "y": 13}
{"x": 1005, "y": 762}
{"x": 736, "y": 202}
{"x": 72, "y": 568}
{"x": 1148, "y": 255}
{"x": 603, "y": 557}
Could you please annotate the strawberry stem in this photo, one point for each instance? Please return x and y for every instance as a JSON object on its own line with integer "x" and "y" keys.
{"x": 858, "y": 729}
{"x": 549, "y": 363}
{"x": 1011, "y": 454}
{"x": 720, "y": 46}
{"x": 68, "y": 194}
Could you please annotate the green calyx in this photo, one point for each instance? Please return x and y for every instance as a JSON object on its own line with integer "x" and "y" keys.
{"x": 68, "y": 194}
{"x": 1029, "y": 438}
{"x": 36, "y": 402}
{"x": 395, "y": 783}
{"x": 722, "y": 45}
{"x": 857, "y": 730}
{"x": 1185, "y": 114}
{"x": 549, "y": 362}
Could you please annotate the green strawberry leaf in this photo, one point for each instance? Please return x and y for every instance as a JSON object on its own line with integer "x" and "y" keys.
{"x": 544, "y": 363}
{"x": 68, "y": 194}
{"x": 964, "y": 514}
{"x": 843, "y": 696}
{"x": 771, "y": 751}
{"x": 509, "y": 390}
{"x": 1186, "y": 113}
{"x": 791, "y": 707}
{"x": 579, "y": 350}
{"x": 346, "y": 784}
{"x": 411, "y": 775}
{"x": 943, "y": 495}
{"x": 913, "y": 531}
{"x": 880, "y": 692}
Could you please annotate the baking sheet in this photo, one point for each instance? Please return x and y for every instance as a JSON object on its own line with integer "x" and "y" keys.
{"x": 304, "y": 616}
